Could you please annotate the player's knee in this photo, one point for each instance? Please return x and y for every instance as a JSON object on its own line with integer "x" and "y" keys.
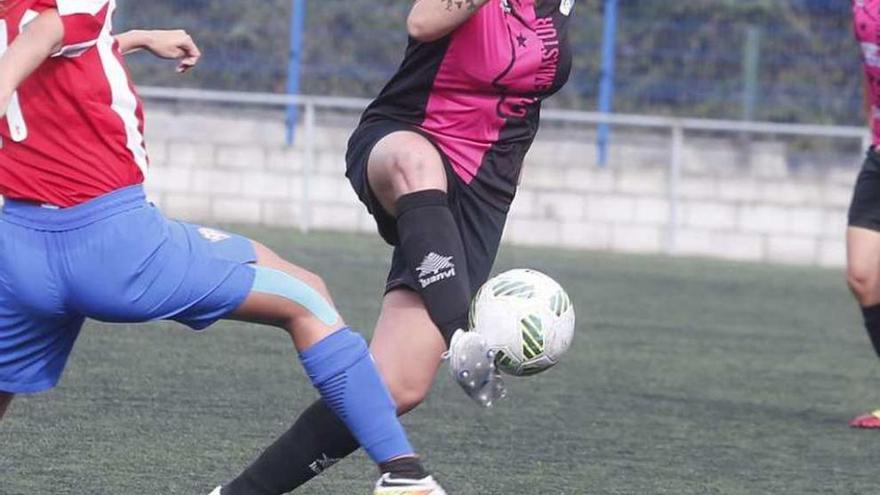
{"x": 315, "y": 281}
{"x": 306, "y": 290}
{"x": 863, "y": 282}
{"x": 416, "y": 170}
{"x": 267, "y": 257}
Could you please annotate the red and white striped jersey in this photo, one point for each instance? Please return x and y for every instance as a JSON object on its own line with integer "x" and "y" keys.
{"x": 74, "y": 129}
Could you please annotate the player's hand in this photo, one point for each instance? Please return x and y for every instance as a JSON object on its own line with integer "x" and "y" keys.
{"x": 472, "y": 364}
{"x": 174, "y": 45}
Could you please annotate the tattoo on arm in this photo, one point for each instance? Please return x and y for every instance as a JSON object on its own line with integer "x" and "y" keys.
{"x": 451, "y": 5}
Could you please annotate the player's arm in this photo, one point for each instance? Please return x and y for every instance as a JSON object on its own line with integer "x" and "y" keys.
{"x": 173, "y": 45}
{"x": 41, "y": 39}
{"x": 430, "y": 20}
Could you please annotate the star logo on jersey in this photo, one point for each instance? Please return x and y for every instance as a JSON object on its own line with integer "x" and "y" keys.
{"x": 565, "y": 7}
{"x": 435, "y": 268}
{"x": 521, "y": 40}
{"x": 871, "y": 54}
{"x": 212, "y": 235}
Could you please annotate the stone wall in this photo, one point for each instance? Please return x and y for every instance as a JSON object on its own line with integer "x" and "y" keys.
{"x": 742, "y": 201}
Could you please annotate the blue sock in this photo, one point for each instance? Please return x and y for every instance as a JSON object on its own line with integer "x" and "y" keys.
{"x": 342, "y": 369}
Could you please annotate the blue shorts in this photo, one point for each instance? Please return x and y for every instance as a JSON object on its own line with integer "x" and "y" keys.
{"x": 114, "y": 259}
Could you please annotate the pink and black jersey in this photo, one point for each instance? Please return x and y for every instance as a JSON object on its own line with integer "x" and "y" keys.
{"x": 866, "y": 23}
{"x": 74, "y": 130}
{"x": 478, "y": 91}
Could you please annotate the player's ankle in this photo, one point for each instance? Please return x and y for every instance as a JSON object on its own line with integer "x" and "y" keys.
{"x": 409, "y": 467}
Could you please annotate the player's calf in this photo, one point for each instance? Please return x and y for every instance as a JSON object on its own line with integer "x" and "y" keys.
{"x": 407, "y": 394}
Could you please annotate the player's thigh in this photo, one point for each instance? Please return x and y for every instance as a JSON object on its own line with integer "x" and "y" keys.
{"x": 481, "y": 226}
{"x": 863, "y": 264}
{"x": 289, "y": 297}
{"x": 37, "y": 328}
{"x": 407, "y": 347}
{"x": 139, "y": 266}
{"x": 401, "y": 163}
{"x": 5, "y": 400}
{"x": 164, "y": 269}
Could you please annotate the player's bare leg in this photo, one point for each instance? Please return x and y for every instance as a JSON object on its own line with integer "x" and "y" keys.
{"x": 863, "y": 277}
{"x": 404, "y": 323}
{"x": 5, "y": 400}
{"x": 338, "y": 363}
{"x": 304, "y": 327}
{"x": 408, "y": 177}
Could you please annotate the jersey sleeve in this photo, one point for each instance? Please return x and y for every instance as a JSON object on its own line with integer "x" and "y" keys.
{"x": 83, "y": 21}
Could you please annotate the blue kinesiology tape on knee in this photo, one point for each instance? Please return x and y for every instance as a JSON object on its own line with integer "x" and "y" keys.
{"x": 278, "y": 283}
{"x": 341, "y": 368}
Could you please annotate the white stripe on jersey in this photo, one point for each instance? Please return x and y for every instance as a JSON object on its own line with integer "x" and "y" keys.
{"x": 124, "y": 101}
{"x": 73, "y": 51}
{"x": 90, "y": 7}
{"x": 74, "y": 7}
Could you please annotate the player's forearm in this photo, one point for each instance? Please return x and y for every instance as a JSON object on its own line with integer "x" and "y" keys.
{"x": 30, "y": 49}
{"x": 134, "y": 40}
{"x": 430, "y": 20}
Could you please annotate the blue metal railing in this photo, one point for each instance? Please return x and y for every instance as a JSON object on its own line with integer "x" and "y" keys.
{"x": 675, "y": 57}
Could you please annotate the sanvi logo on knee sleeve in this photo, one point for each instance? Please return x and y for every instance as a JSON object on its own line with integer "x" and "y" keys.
{"x": 322, "y": 464}
{"x": 435, "y": 268}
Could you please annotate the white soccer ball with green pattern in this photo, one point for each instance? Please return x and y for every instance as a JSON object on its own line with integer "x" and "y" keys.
{"x": 527, "y": 318}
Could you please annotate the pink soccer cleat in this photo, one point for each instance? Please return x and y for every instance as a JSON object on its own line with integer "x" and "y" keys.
{"x": 867, "y": 421}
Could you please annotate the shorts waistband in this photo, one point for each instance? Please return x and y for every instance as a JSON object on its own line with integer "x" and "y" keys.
{"x": 36, "y": 216}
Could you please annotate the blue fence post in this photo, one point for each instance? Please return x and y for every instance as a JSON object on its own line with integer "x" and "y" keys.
{"x": 751, "y": 71}
{"x": 297, "y": 24}
{"x": 606, "y": 85}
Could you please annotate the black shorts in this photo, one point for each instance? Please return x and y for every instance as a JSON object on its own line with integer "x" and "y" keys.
{"x": 864, "y": 211}
{"x": 480, "y": 223}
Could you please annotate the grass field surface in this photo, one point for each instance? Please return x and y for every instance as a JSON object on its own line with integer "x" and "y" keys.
{"x": 686, "y": 377}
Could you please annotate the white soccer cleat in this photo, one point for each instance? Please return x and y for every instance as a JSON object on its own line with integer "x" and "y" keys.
{"x": 472, "y": 364}
{"x": 217, "y": 490}
{"x": 388, "y": 485}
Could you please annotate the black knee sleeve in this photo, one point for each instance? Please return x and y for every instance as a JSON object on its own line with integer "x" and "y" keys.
{"x": 431, "y": 243}
{"x": 872, "y": 325}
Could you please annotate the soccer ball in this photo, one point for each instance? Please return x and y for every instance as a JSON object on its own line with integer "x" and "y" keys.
{"x": 527, "y": 318}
